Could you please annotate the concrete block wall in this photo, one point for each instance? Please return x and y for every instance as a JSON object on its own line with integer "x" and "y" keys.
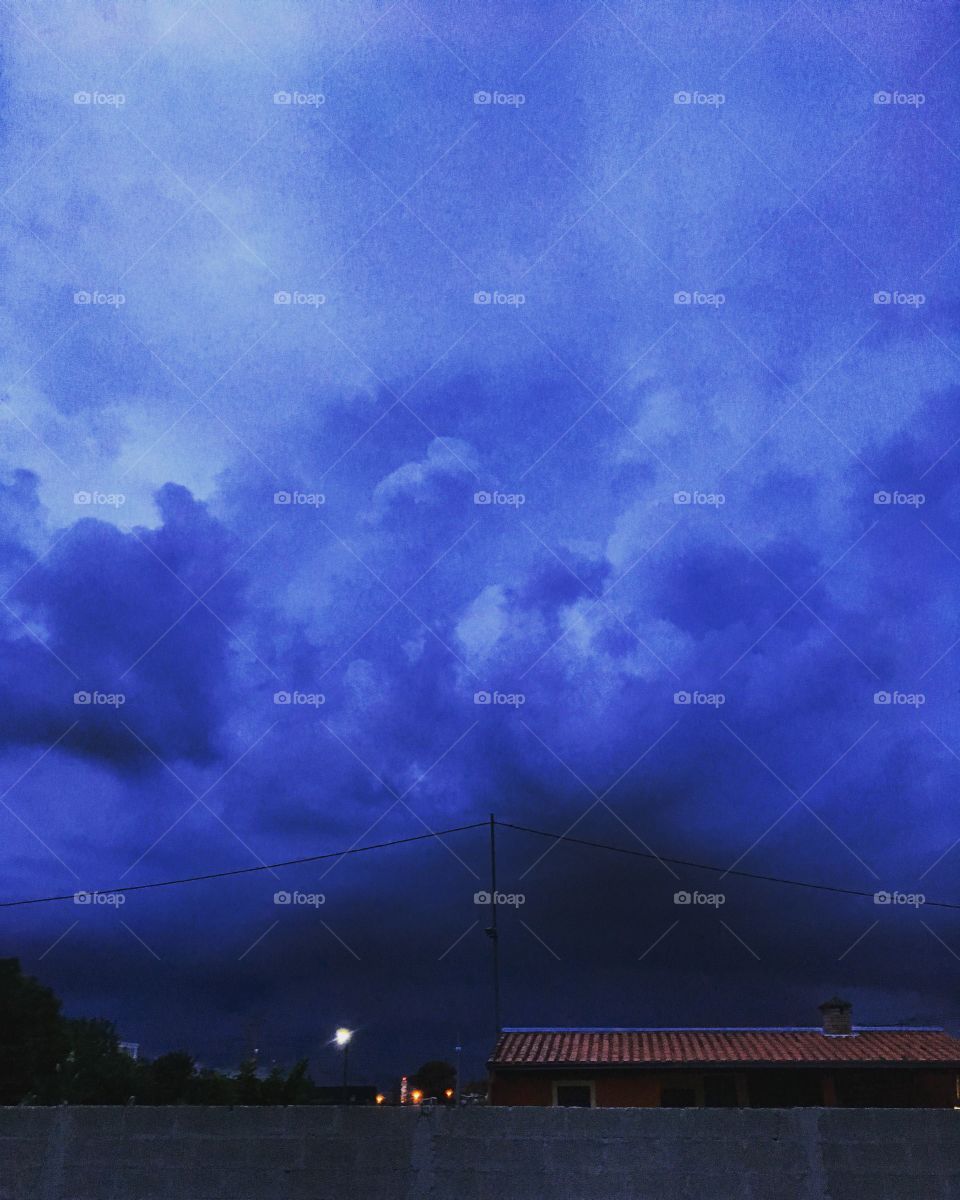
{"x": 478, "y": 1154}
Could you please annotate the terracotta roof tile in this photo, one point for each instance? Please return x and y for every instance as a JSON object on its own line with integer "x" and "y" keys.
{"x": 639, "y": 1047}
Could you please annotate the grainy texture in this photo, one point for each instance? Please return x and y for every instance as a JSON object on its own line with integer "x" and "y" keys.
{"x": 478, "y": 1154}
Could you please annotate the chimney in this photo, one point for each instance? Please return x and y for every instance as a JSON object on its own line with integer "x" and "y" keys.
{"x": 837, "y": 1016}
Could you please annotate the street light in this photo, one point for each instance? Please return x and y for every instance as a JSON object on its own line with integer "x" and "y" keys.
{"x": 342, "y": 1038}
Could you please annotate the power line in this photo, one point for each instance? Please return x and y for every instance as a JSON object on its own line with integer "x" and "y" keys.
{"x": 681, "y": 862}
{"x": 557, "y": 837}
{"x": 290, "y": 862}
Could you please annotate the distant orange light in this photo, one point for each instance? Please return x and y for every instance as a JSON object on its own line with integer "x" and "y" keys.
{"x": 449, "y": 1093}
{"x": 380, "y": 1097}
{"x": 416, "y": 1096}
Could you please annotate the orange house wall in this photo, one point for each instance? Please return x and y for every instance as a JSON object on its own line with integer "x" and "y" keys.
{"x": 641, "y": 1089}
{"x": 614, "y": 1090}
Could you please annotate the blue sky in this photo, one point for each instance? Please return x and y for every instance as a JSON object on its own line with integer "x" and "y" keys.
{"x": 676, "y": 285}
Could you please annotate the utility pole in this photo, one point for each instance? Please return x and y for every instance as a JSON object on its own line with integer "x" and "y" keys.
{"x": 456, "y": 1093}
{"x": 492, "y": 930}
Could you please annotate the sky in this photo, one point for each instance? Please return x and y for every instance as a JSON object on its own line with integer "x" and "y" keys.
{"x": 413, "y": 411}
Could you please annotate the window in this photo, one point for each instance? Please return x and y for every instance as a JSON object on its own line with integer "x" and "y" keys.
{"x": 573, "y": 1095}
{"x": 678, "y": 1097}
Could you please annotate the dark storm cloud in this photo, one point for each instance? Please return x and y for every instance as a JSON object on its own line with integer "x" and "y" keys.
{"x": 142, "y": 615}
{"x": 708, "y": 535}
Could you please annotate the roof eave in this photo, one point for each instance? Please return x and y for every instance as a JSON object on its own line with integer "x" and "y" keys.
{"x": 729, "y": 1064}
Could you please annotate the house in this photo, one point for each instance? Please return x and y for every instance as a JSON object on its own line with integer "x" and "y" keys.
{"x": 835, "y": 1063}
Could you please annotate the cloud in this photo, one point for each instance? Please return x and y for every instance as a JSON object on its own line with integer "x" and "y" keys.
{"x": 430, "y": 480}
{"x": 792, "y": 593}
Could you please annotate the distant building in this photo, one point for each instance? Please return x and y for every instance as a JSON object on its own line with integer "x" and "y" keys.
{"x": 836, "y": 1063}
{"x": 131, "y": 1048}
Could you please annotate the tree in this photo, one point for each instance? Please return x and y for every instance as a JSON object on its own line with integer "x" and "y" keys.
{"x": 171, "y": 1078}
{"x": 33, "y": 1039}
{"x": 434, "y": 1078}
{"x": 210, "y": 1087}
{"x": 298, "y": 1087}
{"x": 271, "y": 1088}
{"x": 248, "y": 1085}
{"x": 95, "y": 1070}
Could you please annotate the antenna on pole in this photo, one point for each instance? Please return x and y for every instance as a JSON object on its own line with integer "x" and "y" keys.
{"x": 492, "y": 929}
